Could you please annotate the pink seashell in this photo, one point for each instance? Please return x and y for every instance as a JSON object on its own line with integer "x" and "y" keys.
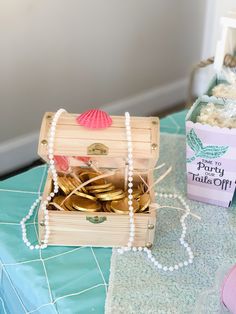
{"x": 62, "y": 163}
{"x": 94, "y": 119}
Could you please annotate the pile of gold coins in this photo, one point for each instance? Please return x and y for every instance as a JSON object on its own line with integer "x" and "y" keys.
{"x": 98, "y": 196}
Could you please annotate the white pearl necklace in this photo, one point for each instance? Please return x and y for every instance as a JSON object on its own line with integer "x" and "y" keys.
{"x": 44, "y": 242}
{"x": 130, "y": 185}
{"x": 181, "y": 239}
{"x": 131, "y": 214}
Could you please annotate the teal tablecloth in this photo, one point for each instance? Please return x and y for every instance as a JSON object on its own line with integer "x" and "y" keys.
{"x": 62, "y": 280}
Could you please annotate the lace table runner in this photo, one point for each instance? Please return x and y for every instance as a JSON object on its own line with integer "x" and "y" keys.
{"x": 137, "y": 287}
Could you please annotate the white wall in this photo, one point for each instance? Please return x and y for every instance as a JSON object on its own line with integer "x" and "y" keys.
{"x": 83, "y": 53}
{"x": 78, "y": 53}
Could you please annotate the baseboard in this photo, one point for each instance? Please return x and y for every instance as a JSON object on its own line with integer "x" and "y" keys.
{"x": 20, "y": 151}
{"x": 151, "y": 101}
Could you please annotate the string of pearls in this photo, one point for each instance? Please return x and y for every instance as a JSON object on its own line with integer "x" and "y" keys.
{"x": 182, "y": 240}
{"x": 129, "y": 246}
{"x": 130, "y": 185}
{"x": 44, "y": 242}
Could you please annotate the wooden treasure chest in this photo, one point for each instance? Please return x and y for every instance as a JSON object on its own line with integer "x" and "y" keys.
{"x": 90, "y": 207}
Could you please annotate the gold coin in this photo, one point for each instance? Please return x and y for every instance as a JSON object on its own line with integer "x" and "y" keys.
{"x": 90, "y": 197}
{"x": 113, "y": 198}
{"x": 85, "y": 204}
{"x": 122, "y": 206}
{"x": 58, "y": 199}
{"x": 75, "y": 183}
{"x": 69, "y": 183}
{"x": 63, "y": 186}
{"x": 96, "y": 182}
{"x": 144, "y": 202}
{"x": 82, "y": 209}
{"x": 85, "y": 175}
{"x": 107, "y": 207}
{"x": 111, "y": 188}
{"x": 110, "y": 194}
{"x": 68, "y": 204}
{"x": 72, "y": 184}
{"x": 56, "y": 203}
{"x": 79, "y": 170}
{"x": 100, "y": 186}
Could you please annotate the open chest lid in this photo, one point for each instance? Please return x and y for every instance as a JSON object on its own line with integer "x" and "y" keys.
{"x": 105, "y": 147}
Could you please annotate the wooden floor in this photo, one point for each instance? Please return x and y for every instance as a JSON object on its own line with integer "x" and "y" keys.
{"x": 39, "y": 162}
